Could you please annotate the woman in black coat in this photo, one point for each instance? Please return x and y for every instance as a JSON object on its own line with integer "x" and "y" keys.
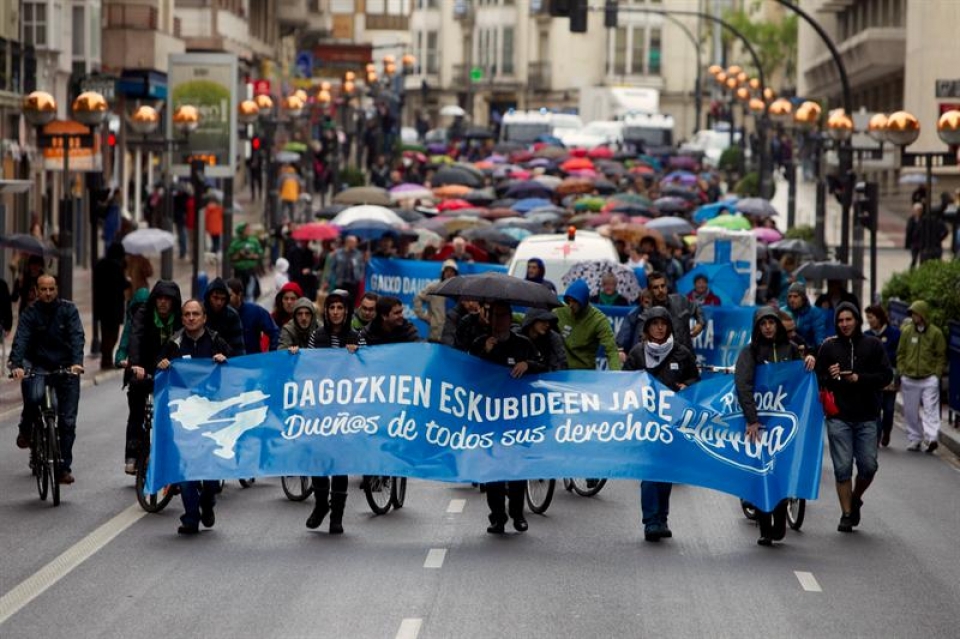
{"x": 675, "y": 366}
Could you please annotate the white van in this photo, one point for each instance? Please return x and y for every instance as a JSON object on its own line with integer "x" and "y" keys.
{"x": 560, "y": 252}
{"x": 525, "y": 127}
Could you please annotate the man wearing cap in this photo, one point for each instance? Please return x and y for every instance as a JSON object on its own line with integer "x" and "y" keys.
{"x": 431, "y": 308}
{"x": 921, "y": 359}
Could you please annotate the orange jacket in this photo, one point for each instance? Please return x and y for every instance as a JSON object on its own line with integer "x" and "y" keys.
{"x": 213, "y": 218}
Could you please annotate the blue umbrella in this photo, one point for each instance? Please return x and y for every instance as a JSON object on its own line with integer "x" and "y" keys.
{"x": 366, "y": 230}
{"x": 528, "y": 204}
{"x": 710, "y": 211}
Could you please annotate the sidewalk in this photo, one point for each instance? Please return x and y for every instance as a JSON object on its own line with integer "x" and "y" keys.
{"x": 10, "y": 399}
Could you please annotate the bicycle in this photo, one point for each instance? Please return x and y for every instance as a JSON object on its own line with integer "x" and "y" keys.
{"x": 155, "y": 502}
{"x": 296, "y": 487}
{"x": 45, "y": 461}
{"x": 796, "y": 511}
{"x": 539, "y": 492}
{"x": 384, "y": 492}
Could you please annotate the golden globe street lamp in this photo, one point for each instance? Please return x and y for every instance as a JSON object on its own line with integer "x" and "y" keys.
{"x": 89, "y": 109}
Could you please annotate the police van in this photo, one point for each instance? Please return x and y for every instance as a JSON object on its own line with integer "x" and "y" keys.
{"x": 525, "y": 127}
{"x": 561, "y": 251}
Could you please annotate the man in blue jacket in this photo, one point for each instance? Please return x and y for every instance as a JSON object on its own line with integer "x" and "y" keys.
{"x": 811, "y": 325}
{"x": 255, "y": 319}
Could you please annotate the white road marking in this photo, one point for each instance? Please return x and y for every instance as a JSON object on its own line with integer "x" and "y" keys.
{"x": 456, "y": 505}
{"x": 807, "y": 581}
{"x": 409, "y": 628}
{"x": 33, "y": 586}
{"x": 435, "y": 558}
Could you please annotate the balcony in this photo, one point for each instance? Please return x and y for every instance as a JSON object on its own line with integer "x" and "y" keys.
{"x": 387, "y": 22}
{"x": 538, "y": 76}
{"x": 293, "y": 13}
{"x": 132, "y": 16}
{"x": 870, "y": 54}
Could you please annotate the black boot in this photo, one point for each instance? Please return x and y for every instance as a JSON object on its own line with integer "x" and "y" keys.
{"x": 337, "y": 502}
{"x": 321, "y": 491}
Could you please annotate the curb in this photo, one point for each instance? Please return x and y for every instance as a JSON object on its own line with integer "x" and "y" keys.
{"x": 949, "y": 436}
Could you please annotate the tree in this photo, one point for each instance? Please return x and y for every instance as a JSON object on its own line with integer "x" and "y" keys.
{"x": 775, "y": 43}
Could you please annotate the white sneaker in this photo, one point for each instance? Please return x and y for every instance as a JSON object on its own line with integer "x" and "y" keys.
{"x": 914, "y": 447}
{"x": 130, "y": 467}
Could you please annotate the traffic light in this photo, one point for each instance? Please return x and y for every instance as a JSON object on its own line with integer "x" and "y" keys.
{"x": 578, "y": 16}
{"x": 610, "y": 10}
{"x": 560, "y": 8}
{"x": 111, "y": 139}
{"x": 255, "y": 143}
{"x": 867, "y": 204}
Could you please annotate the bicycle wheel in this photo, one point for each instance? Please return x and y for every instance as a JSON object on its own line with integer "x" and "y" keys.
{"x": 399, "y": 492}
{"x": 52, "y": 461}
{"x": 749, "y": 510}
{"x": 296, "y": 487}
{"x": 567, "y": 484}
{"x": 587, "y": 487}
{"x": 796, "y": 509}
{"x": 540, "y": 494}
{"x": 39, "y": 467}
{"x": 378, "y": 490}
{"x": 154, "y": 502}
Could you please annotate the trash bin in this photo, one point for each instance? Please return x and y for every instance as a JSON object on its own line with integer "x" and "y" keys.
{"x": 953, "y": 386}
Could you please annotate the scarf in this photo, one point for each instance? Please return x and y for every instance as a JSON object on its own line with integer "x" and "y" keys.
{"x": 656, "y": 353}
{"x": 608, "y": 300}
{"x": 166, "y": 330}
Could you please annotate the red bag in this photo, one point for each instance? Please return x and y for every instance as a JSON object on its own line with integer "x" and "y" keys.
{"x": 829, "y": 402}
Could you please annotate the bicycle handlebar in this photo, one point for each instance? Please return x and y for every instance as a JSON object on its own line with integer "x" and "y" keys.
{"x": 31, "y": 372}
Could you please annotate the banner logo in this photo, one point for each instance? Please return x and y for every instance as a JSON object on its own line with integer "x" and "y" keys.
{"x": 195, "y": 412}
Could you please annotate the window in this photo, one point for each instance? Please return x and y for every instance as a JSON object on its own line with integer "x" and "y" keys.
{"x": 638, "y": 50}
{"x": 433, "y": 65}
{"x": 620, "y": 51}
{"x": 653, "y": 62}
{"x": 507, "y": 57}
{"x": 35, "y": 24}
{"x": 78, "y": 32}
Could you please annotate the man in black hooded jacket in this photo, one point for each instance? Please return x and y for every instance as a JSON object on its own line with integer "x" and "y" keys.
{"x": 222, "y": 318}
{"x": 769, "y": 344}
{"x": 855, "y": 368}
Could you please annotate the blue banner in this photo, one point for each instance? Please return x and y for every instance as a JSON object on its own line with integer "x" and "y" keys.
{"x": 405, "y": 278}
{"x": 428, "y": 411}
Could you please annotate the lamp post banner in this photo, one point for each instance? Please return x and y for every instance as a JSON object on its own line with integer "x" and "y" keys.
{"x": 208, "y": 81}
{"x": 430, "y": 412}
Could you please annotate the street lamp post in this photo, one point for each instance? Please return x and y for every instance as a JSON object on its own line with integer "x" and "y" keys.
{"x": 89, "y": 109}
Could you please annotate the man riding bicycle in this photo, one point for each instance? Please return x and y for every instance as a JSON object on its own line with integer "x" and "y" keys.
{"x": 50, "y": 337}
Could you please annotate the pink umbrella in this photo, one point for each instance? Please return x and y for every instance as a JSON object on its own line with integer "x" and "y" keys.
{"x": 454, "y": 205}
{"x": 587, "y": 173}
{"x": 767, "y": 235}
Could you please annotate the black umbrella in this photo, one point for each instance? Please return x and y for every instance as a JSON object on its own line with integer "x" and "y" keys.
{"x": 628, "y": 208}
{"x": 410, "y": 216}
{"x": 28, "y": 244}
{"x": 756, "y": 206}
{"x": 524, "y": 189}
{"x": 456, "y": 175}
{"x": 796, "y": 245}
{"x": 679, "y": 191}
{"x": 480, "y": 197}
{"x": 332, "y": 210}
{"x": 829, "y": 271}
{"x": 503, "y": 203}
{"x": 671, "y": 204}
{"x": 491, "y": 235}
{"x": 494, "y": 287}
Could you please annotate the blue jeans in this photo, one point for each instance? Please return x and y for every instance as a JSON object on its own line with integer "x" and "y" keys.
{"x": 67, "y": 391}
{"x": 197, "y": 494}
{"x": 655, "y": 501}
{"x": 182, "y": 240}
{"x": 851, "y": 441}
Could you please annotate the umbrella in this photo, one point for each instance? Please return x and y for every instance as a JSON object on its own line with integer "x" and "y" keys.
{"x": 517, "y": 222}
{"x": 681, "y": 192}
{"x": 550, "y": 181}
{"x": 516, "y": 232}
{"x": 592, "y": 271}
{"x": 363, "y": 195}
{"x": 452, "y": 190}
{"x": 730, "y": 222}
{"x": 366, "y": 230}
{"x": 671, "y": 204}
{"x": 710, "y": 211}
{"x": 425, "y": 238}
{"x": 499, "y": 287}
{"x": 315, "y": 231}
{"x": 480, "y": 197}
{"x": 491, "y": 235}
{"x": 632, "y": 198}
{"x": 411, "y": 216}
{"x": 756, "y": 206}
{"x": 457, "y": 175}
{"x": 633, "y": 233}
{"x": 632, "y": 209}
{"x": 148, "y": 241}
{"x": 551, "y": 153}
{"x": 29, "y": 244}
{"x": 604, "y": 187}
{"x": 528, "y": 204}
{"x": 670, "y": 225}
{"x": 410, "y": 192}
{"x": 828, "y": 271}
{"x": 543, "y": 216}
{"x": 681, "y": 177}
{"x": 600, "y": 219}
{"x": 296, "y": 147}
{"x": 767, "y": 235}
{"x": 914, "y": 178}
{"x": 575, "y": 164}
{"x": 600, "y": 153}
{"x": 497, "y": 214}
{"x": 287, "y": 157}
{"x": 454, "y": 204}
{"x": 528, "y": 189}
{"x": 331, "y": 210}
{"x": 683, "y": 162}
{"x": 796, "y": 245}
{"x": 367, "y": 213}
{"x": 453, "y": 111}
{"x": 574, "y": 185}
{"x": 463, "y": 222}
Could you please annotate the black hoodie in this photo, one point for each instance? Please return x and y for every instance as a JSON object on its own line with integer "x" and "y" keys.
{"x": 226, "y": 323}
{"x": 146, "y": 335}
{"x": 680, "y": 364}
{"x": 761, "y": 351}
{"x": 858, "y": 401}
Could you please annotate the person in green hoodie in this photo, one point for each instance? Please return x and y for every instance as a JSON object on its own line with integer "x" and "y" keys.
{"x": 921, "y": 359}
{"x": 245, "y": 253}
{"x": 585, "y": 329}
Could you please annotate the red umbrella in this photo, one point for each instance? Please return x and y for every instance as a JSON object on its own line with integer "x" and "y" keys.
{"x": 454, "y": 205}
{"x": 600, "y": 152}
{"x": 315, "y": 231}
{"x": 578, "y": 153}
{"x": 574, "y": 164}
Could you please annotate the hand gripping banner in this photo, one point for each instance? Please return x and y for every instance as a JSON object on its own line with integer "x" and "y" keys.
{"x": 431, "y": 412}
